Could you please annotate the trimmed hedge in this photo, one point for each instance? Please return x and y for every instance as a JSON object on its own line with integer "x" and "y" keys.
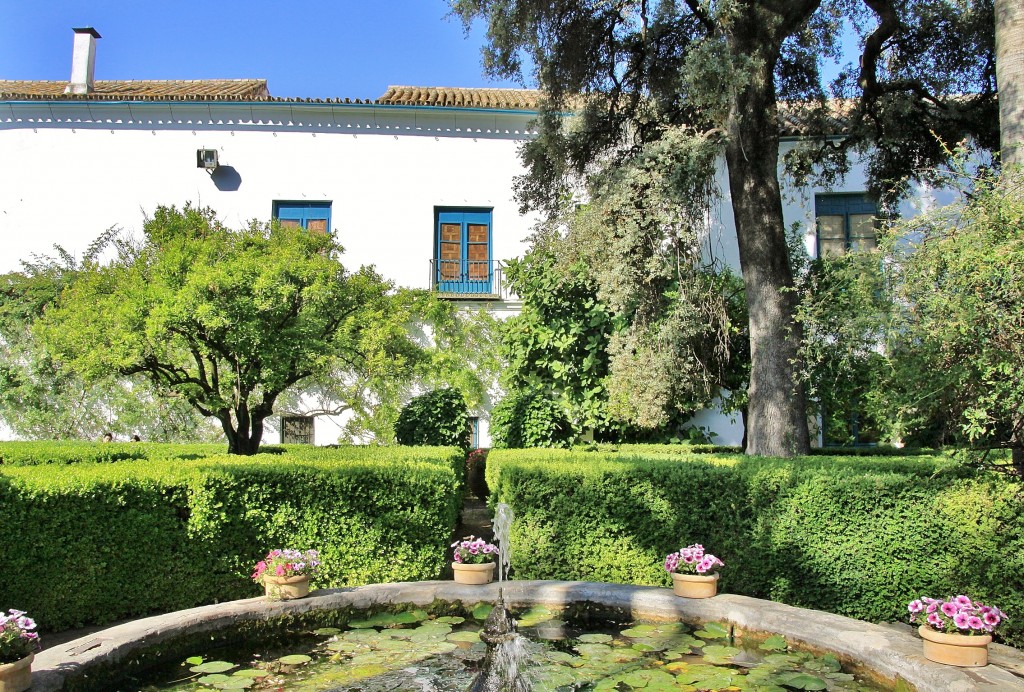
{"x": 90, "y": 543}
{"x": 856, "y": 536}
{"x": 75, "y": 452}
{"x": 687, "y": 449}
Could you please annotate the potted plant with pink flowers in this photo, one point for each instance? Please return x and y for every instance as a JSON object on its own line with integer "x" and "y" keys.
{"x": 956, "y": 631}
{"x": 18, "y": 644}
{"x": 694, "y": 572}
{"x": 285, "y": 573}
{"x": 474, "y": 560}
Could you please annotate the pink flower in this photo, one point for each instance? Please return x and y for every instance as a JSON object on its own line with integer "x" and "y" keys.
{"x": 279, "y": 570}
{"x": 915, "y": 606}
{"x": 935, "y": 620}
{"x": 991, "y": 619}
{"x": 949, "y": 609}
{"x": 963, "y": 601}
{"x": 932, "y": 606}
{"x": 975, "y": 623}
{"x": 962, "y": 620}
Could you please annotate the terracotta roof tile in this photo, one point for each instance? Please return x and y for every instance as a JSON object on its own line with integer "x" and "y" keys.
{"x": 140, "y": 90}
{"x": 452, "y": 97}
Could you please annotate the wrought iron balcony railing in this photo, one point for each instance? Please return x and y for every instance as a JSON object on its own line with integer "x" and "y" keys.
{"x": 469, "y": 279}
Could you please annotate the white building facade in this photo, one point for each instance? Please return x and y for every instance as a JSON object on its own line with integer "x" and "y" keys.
{"x": 418, "y": 183}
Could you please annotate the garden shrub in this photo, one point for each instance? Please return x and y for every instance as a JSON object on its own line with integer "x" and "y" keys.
{"x": 90, "y": 543}
{"x": 76, "y": 452}
{"x": 858, "y": 536}
{"x": 439, "y": 417}
{"x": 529, "y": 419}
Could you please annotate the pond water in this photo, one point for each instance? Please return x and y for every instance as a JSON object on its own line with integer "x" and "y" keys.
{"x": 413, "y": 650}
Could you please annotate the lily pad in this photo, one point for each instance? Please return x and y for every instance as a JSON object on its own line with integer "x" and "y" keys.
{"x": 194, "y": 660}
{"x": 776, "y": 642}
{"x": 803, "y": 681}
{"x": 294, "y": 659}
{"x": 593, "y": 650}
{"x": 827, "y": 664}
{"x": 464, "y": 636}
{"x": 649, "y": 679}
{"x": 595, "y": 638}
{"x": 482, "y": 610}
{"x": 327, "y": 631}
{"x": 236, "y": 684}
{"x": 712, "y": 630}
{"x": 559, "y": 656}
{"x": 555, "y": 676}
{"x": 251, "y": 673}
{"x": 451, "y": 620}
{"x": 717, "y": 654}
{"x": 535, "y": 616}
{"x": 213, "y": 679}
{"x": 213, "y": 667}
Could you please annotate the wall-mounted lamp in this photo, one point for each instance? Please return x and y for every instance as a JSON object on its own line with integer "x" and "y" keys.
{"x": 207, "y": 159}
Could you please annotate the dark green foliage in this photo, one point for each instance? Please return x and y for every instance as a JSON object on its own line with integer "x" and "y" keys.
{"x": 859, "y": 537}
{"x": 92, "y": 543}
{"x": 559, "y": 342}
{"x": 530, "y": 419}
{"x": 71, "y": 452}
{"x": 438, "y": 417}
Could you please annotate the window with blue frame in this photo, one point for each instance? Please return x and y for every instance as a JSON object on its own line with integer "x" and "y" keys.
{"x": 313, "y": 216}
{"x": 845, "y": 222}
{"x": 462, "y": 251}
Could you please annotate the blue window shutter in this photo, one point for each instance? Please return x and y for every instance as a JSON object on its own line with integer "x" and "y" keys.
{"x": 310, "y": 215}
{"x": 463, "y": 260}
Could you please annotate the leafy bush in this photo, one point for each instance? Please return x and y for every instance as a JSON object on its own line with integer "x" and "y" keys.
{"x": 856, "y": 536}
{"x": 529, "y": 419}
{"x": 438, "y": 417}
{"x": 89, "y": 543}
{"x": 74, "y": 452}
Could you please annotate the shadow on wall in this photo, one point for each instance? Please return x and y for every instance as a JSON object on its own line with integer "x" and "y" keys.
{"x": 226, "y": 178}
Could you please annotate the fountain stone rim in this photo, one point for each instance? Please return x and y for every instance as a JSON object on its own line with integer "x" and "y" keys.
{"x": 886, "y": 653}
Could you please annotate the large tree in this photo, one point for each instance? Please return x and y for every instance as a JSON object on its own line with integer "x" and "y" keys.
{"x": 708, "y": 77}
{"x": 41, "y": 400}
{"x": 226, "y": 320}
{"x": 1010, "y": 74}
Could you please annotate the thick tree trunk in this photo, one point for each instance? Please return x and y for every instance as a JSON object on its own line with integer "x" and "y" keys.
{"x": 246, "y": 437}
{"x": 777, "y": 412}
{"x": 1010, "y": 79}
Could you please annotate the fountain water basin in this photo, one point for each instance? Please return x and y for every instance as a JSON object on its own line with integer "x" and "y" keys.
{"x": 881, "y": 653}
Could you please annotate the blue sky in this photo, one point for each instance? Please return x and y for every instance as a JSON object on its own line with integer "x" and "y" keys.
{"x": 344, "y": 48}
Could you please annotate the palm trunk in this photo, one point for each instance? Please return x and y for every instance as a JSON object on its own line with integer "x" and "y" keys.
{"x": 777, "y": 412}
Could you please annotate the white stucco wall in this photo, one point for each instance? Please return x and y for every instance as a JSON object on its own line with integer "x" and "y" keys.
{"x": 69, "y": 170}
{"x": 384, "y": 169}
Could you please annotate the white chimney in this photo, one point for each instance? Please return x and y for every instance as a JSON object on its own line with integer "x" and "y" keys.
{"x": 83, "y": 61}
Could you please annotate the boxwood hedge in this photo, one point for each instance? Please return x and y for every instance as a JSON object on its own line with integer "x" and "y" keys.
{"x": 88, "y": 543}
{"x": 856, "y": 536}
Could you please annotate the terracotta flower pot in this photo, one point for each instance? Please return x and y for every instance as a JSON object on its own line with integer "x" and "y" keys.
{"x": 967, "y": 651}
{"x": 17, "y": 676}
{"x": 482, "y": 573}
{"x": 694, "y": 585}
{"x": 286, "y": 588}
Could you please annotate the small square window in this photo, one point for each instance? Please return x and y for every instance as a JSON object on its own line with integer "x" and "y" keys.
{"x": 313, "y": 216}
{"x": 297, "y": 430}
{"x": 844, "y": 223}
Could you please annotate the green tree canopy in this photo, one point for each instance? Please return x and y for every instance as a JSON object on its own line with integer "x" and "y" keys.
{"x": 661, "y": 89}
{"x": 224, "y": 319}
{"x": 40, "y": 399}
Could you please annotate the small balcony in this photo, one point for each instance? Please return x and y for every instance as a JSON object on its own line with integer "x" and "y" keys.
{"x": 469, "y": 279}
